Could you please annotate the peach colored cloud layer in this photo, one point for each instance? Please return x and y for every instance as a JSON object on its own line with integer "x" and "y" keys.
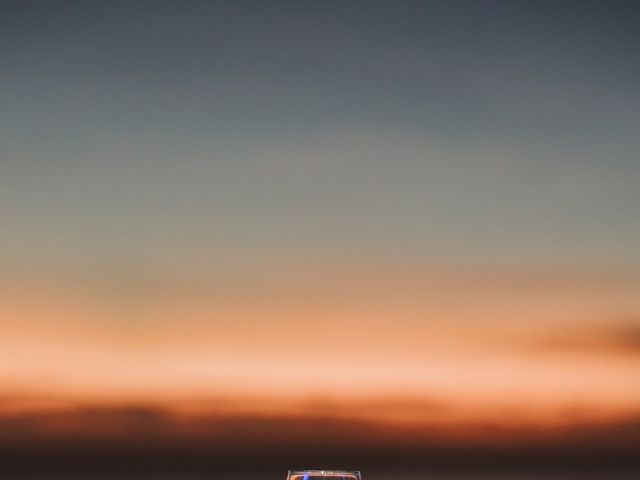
{"x": 393, "y": 342}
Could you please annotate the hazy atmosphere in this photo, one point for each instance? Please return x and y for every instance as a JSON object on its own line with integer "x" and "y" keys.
{"x": 254, "y": 236}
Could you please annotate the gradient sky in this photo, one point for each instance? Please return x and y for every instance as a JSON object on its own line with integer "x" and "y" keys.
{"x": 432, "y": 201}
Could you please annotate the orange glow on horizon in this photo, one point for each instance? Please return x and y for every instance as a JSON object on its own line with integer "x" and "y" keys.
{"x": 455, "y": 346}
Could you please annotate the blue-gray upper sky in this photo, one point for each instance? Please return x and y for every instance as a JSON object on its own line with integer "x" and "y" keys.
{"x": 448, "y": 131}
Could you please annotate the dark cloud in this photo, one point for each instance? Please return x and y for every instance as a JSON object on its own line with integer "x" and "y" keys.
{"x": 616, "y": 340}
{"x": 141, "y": 439}
{"x": 627, "y": 337}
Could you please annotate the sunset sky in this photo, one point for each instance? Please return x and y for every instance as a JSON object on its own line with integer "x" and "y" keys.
{"x": 399, "y": 212}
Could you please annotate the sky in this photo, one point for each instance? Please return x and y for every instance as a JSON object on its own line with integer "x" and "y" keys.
{"x": 423, "y": 213}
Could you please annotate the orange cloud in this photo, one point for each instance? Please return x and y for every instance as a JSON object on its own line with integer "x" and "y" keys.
{"x": 535, "y": 344}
